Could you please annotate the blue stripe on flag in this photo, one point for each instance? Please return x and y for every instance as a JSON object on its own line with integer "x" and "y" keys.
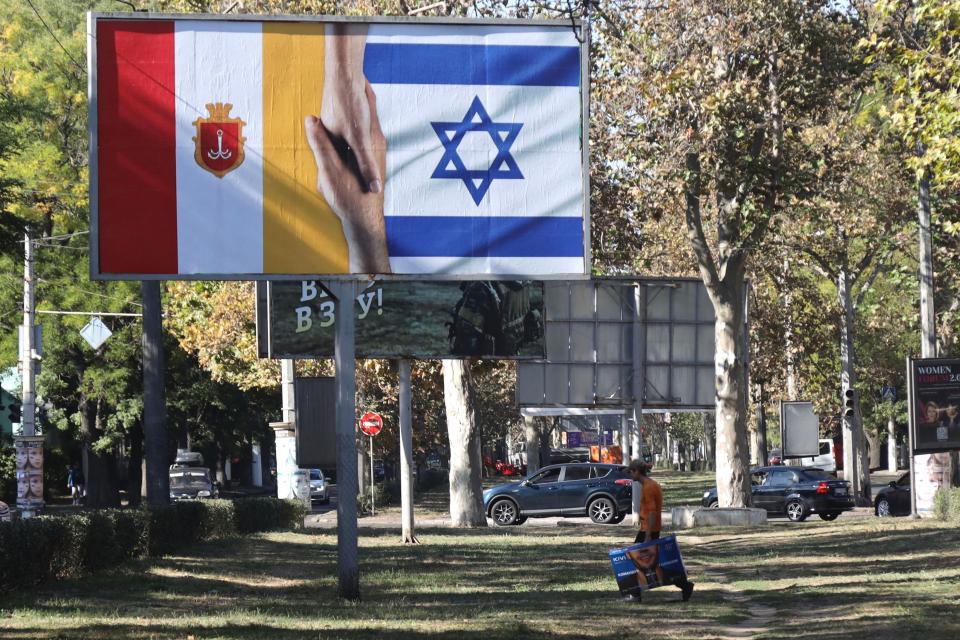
{"x": 471, "y": 64}
{"x": 484, "y": 237}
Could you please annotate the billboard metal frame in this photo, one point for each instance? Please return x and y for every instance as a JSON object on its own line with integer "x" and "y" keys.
{"x": 583, "y": 37}
{"x": 635, "y": 388}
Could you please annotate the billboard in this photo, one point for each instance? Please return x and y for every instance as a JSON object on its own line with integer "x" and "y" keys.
{"x": 239, "y": 147}
{"x": 799, "y": 429}
{"x": 935, "y": 404}
{"x": 934, "y": 413}
{"x": 604, "y": 334}
{"x": 405, "y": 319}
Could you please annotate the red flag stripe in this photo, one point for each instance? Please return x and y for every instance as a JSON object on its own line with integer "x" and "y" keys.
{"x": 136, "y": 129}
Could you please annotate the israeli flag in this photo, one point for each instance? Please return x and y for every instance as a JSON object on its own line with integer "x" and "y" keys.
{"x": 484, "y": 148}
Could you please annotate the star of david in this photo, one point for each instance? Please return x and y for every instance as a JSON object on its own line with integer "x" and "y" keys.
{"x": 477, "y": 181}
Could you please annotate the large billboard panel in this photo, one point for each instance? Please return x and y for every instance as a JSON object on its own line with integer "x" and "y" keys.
{"x": 237, "y": 148}
{"x": 492, "y": 319}
{"x": 604, "y": 335}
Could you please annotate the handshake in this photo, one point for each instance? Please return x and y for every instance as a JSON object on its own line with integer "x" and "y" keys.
{"x": 350, "y": 149}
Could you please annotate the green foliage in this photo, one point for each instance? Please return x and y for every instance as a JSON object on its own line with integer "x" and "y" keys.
{"x": 946, "y": 505}
{"x": 52, "y": 548}
{"x": 267, "y": 514}
{"x": 382, "y": 495}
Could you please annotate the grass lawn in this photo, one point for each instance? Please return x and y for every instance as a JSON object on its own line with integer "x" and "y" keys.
{"x": 853, "y": 578}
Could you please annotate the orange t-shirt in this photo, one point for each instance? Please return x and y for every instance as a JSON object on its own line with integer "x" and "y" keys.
{"x": 651, "y": 501}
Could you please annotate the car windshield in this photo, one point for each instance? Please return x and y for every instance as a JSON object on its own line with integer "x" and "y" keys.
{"x": 187, "y": 478}
{"x": 315, "y": 474}
{"x": 818, "y": 474}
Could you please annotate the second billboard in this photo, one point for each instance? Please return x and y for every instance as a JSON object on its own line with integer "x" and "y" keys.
{"x": 414, "y": 319}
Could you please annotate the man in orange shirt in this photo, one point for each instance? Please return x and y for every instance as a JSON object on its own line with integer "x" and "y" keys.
{"x": 651, "y": 504}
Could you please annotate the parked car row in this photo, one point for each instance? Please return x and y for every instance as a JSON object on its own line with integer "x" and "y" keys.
{"x": 796, "y": 492}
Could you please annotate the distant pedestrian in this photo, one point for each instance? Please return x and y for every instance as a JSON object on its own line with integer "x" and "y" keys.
{"x": 75, "y": 484}
{"x": 651, "y": 504}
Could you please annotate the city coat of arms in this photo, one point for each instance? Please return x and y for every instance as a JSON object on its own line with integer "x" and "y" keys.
{"x": 219, "y": 140}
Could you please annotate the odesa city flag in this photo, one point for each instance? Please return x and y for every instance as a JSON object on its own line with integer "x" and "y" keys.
{"x": 202, "y": 167}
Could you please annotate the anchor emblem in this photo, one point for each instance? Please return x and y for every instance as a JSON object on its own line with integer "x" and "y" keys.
{"x": 219, "y": 140}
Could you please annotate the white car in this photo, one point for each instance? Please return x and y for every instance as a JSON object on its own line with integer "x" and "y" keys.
{"x": 319, "y": 489}
{"x": 825, "y": 460}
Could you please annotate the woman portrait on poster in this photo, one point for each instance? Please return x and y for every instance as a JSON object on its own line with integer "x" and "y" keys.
{"x": 649, "y": 572}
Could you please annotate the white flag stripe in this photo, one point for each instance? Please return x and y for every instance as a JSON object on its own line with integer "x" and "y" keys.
{"x": 481, "y": 266}
{"x": 546, "y": 150}
{"x": 482, "y": 35}
{"x": 219, "y": 220}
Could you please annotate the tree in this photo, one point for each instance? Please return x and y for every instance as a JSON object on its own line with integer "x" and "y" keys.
{"x": 725, "y": 94}
{"x": 466, "y": 483}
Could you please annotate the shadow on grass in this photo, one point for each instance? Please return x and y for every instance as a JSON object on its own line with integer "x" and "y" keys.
{"x": 463, "y": 583}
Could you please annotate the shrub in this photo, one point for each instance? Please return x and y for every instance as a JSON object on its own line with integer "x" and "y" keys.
{"x": 47, "y": 547}
{"x": 267, "y": 514}
{"x": 946, "y": 505}
{"x": 381, "y": 494}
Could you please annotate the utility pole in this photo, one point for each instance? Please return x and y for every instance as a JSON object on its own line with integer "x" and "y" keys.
{"x": 28, "y": 404}
{"x": 928, "y": 336}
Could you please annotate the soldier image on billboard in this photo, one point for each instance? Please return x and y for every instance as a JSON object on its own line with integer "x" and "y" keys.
{"x": 493, "y": 318}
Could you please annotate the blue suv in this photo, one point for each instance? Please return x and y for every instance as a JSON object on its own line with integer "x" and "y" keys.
{"x": 601, "y": 491}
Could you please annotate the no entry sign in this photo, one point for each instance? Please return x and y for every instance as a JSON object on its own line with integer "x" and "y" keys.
{"x": 371, "y": 423}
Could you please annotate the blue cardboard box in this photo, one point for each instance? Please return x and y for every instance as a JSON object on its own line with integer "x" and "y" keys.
{"x": 648, "y": 565}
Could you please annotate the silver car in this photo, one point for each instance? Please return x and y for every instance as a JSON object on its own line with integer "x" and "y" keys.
{"x": 319, "y": 489}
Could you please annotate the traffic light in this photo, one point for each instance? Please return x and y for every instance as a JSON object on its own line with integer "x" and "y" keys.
{"x": 14, "y": 414}
{"x": 849, "y": 402}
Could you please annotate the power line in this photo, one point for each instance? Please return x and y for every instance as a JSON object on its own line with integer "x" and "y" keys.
{"x": 50, "y": 31}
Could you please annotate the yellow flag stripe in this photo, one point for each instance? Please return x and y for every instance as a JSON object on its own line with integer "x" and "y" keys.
{"x": 300, "y": 232}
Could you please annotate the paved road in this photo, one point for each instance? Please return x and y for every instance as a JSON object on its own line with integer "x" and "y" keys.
{"x": 324, "y": 516}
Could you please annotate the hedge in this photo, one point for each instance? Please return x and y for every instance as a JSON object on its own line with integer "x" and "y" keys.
{"x": 946, "y": 505}
{"x": 57, "y": 547}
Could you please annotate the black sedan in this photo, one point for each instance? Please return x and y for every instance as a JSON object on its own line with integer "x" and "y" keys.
{"x": 601, "y": 491}
{"x": 894, "y": 499}
{"x": 795, "y": 492}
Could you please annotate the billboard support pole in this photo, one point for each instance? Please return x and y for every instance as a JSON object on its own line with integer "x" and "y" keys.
{"x": 406, "y": 456}
{"x": 638, "y": 351}
{"x": 348, "y": 566}
{"x": 154, "y": 400}
{"x": 911, "y": 413}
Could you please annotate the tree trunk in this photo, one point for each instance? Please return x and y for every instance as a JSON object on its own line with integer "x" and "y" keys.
{"x": 709, "y": 441}
{"x": 856, "y": 467}
{"x": 531, "y": 431}
{"x": 466, "y": 485}
{"x": 546, "y": 435}
{"x": 134, "y": 465}
{"x": 101, "y": 466}
{"x": 733, "y": 476}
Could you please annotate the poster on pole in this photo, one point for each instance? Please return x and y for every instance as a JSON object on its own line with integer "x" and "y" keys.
{"x": 492, "y": 319}
{"x": 935, "y": 405}
{"x": 29, "y": 471}
{"x": 934, "y": 413}
{"x": 238, "y": 147}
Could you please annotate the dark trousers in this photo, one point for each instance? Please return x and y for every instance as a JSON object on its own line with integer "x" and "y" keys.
{"x": 641, "y": 536}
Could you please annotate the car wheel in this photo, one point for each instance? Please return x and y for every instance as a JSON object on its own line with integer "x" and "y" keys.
{"x": 520, "y": 521}
{"x": 504, "y": 513}
{"x": 602, "y": 511}
{"x": 829, "y": 517}
{"x": 882, "y": 509}
{"x": 714, "y": 504}
{"x": 796, "y": 511}
{"x": 617, "y": 519}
